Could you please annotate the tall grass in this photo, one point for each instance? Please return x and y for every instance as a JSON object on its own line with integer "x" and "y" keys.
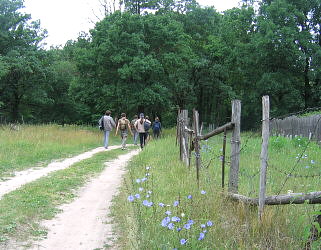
{"x": 171, "y": 190}
{"x": 37, "y": 145}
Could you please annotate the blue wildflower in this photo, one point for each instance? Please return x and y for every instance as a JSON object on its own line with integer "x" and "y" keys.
{"x": 137, "y": 196}
{"x": 183, "y": 241}
{"x": 170, "y": 226}
{"x": 144, "y": 179}
{"x": 191, "y": 222}
{"x": 138, "y": 180}
{"x": 165, "y": 221}
{"x": 209, "y": 223}
{"x": 203, "y": 225}
{"x": 176, "y": 219}
{"x": 205, "y": 231}
{"x": 176, "y": 203}
{"x": 202, "y": 235}
{"x": 147, "y": 195}
{"x": 130, "y": 198}
{"x": 149, "y": 192}
{"x": 189, "y": 196}
{"x": 179, "y": 229}
{"x": 203, "y": 192}
{"x": 168, "y": 212}
{"x": 312, "y": 161}
{"x": 187, "y": 226}
{"x": 161, "y": 204}
{"x": 147, "y": 203}
{"x": 140, "y": 189}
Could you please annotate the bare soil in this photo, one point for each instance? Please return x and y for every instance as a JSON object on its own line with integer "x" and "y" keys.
{"x": 83, "y": 224}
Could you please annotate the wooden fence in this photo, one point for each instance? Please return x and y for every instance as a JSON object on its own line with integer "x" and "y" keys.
{"x": 292, "y": 126}
{"x": 189, "y": 140}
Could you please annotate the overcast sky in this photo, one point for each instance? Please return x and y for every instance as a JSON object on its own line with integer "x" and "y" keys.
{"x": 65, "y": 19}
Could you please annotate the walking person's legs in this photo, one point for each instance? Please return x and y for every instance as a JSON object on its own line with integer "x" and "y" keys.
{"x": 106, "y": 138}
{"x": 142, "y": 140}
{"x": 123, "y": 139}
{"x": 136, "y": 134}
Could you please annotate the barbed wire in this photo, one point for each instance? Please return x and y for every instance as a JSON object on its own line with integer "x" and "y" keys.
{"x": 293, "y": 175}
{"x": 296, "y": 113}
{"x": 297, "y": 162}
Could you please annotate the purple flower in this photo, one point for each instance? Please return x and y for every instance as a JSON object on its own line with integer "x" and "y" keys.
{"x": 187, "y": 226}
{"x": 144, "y": 179}
{"x": 168, "y": 212}
{"x": 130, "y": 198}
{"x": 170, "y": 226}
{"x": 137, "y": 196}
{"x": 191, "y": 222}
{"x": 312, "y": 161}
{"x": 183, "y": 241}
{"x": 165, "y": 221}
{"x": 203, "y": 225}
{"x": 205, "y": 231}
{"x": 140, "y": 189}
{"x": 147, "y": 203}
{"x": 203, "y": 192}
{"x": 179, "y": 229}
{"x": 176, "y": 203}
{"x": 209, "y": 223}
{"x": 147, "y": 195}
{"x": 161, "y": 204}
{"x": 176, "y": 219}
{"x": 202, "y": 235}
{"x": 138, "y": 180}
{"x": 189, "y": 196}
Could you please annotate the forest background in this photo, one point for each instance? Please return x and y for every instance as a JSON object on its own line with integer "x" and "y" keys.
{"x": 158, "y": 55}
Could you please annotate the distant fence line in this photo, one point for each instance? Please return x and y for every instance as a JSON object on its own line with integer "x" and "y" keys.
{"x": 292, "y": 126}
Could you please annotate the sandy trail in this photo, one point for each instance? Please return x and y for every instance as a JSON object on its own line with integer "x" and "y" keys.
{"x": 83, "y": 224}
{"x": 23, "y": 177}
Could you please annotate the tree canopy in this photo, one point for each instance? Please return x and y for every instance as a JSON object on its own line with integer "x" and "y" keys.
{"x": 157, "y": 56}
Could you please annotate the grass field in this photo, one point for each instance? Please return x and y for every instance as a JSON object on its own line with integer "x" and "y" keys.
{"x": 161, "y": 206}
{"x": 31, "y": 146}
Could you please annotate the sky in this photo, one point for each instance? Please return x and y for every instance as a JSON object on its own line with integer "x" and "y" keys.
{"x": 66, "y": 19}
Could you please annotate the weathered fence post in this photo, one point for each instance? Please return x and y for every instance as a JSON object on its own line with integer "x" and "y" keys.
{"x": 184, "y": 137}
{"x": 264, "y": 152}
{"x": 223, "y": 158}
{"x": 197, "y": 144}
{"x": 235, "y": 146}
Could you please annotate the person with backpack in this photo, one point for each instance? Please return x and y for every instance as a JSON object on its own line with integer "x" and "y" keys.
{"x": 135, "y": 132}
{"x": 106, "y": 124}
{"x": 140, "y": 125}
{"x": 157, "y": 128}
{"x": 147, "y": 126}
{"x": 124, "y": 126}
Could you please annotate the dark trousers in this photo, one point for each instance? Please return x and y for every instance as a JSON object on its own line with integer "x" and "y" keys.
{"x": 142, "y": 139}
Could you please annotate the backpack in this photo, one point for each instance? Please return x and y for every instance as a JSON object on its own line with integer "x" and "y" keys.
{"x": 156, "y": 126}
{"x": 146, "y": 126}
{"x": 122, "y": 124}
{"x": 101, "y": 123}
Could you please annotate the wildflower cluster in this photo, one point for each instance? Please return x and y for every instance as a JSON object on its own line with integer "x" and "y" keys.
{"x": 141, "y": 195}
{"x": 174, "y": 218}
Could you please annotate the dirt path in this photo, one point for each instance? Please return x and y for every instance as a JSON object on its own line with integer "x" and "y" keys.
{"x": 84, "y": 223}
{"x": 23, "y": 177}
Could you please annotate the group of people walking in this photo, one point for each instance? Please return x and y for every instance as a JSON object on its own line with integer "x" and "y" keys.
{"x": 138, "y": 127}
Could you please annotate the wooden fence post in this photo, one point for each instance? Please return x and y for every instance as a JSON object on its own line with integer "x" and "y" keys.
{"x": 184, "y": 137}
{"x": 235, "y": 147}
{"x": 264, "y": 152}
{"x": 197, "y": 144}
{"x": 223, "y": 158}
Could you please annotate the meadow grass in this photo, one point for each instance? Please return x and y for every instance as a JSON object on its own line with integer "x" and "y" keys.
{"x": 37, "y": 145}
{"x": 23, "y": 209}
{"x": 168, "y": 210}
